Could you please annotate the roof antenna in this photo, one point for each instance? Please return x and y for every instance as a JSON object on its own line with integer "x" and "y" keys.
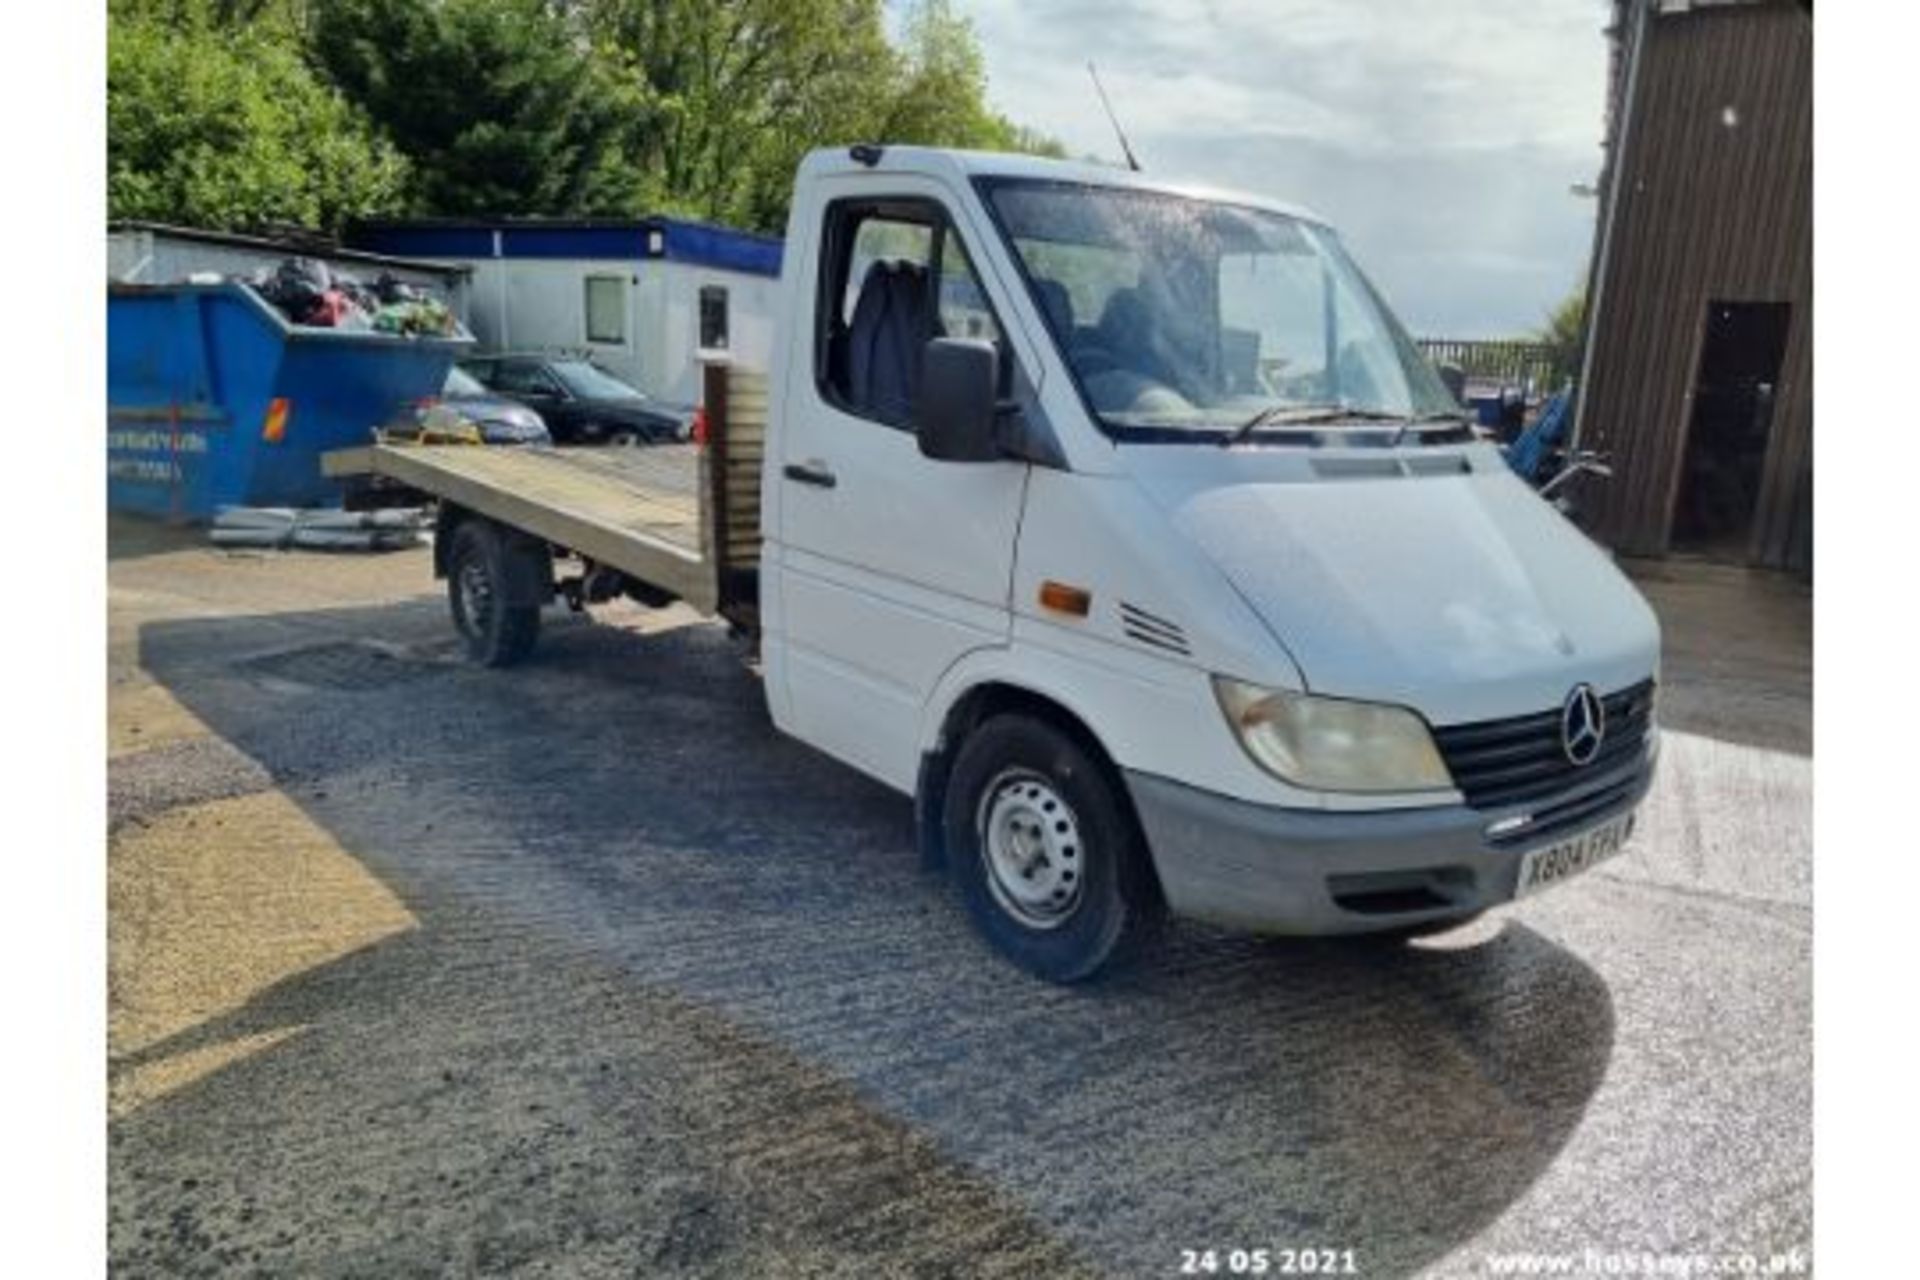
{"x": 1100, "y": 89}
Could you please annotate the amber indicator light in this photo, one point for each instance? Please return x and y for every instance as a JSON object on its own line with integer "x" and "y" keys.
{"x": 1062, "y": 598}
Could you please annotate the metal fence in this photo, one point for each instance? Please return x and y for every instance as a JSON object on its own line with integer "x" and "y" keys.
{"x": 1542, "y": 366}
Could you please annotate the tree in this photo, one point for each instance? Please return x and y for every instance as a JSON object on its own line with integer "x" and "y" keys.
{"x": 744, "y": 89}
{"x": 277, "y": 17}
{"x": 226, "y": 127}
{"x": 741, "y": 91}
{"x": 533, "y": 107}
{"x": 1566, "y": 332}
{"x": 500, "y": 104}
{"x": 940, "y": 99}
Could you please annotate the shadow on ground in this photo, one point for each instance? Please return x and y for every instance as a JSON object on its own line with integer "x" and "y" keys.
{"x": 680, "y": 998}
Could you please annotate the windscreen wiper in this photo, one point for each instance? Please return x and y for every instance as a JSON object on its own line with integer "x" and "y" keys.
{"x": 1444, "y": 415}
{"x": 1304, "y": 414}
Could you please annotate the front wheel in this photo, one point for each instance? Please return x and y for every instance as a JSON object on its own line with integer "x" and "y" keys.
{"x": 1044, "y": 850}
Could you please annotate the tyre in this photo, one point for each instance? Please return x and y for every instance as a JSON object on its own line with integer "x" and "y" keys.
{"x": 626, "y": 438}
{"x": 496, "y": 583}
{"x": 1044, "y": 850}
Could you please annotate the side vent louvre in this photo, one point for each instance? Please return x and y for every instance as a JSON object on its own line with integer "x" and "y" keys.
{"x": 1151, "y": 629}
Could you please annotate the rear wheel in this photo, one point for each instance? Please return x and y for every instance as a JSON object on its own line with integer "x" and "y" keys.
{"x": 496, "y": 583}
{"x": 1044, "y": 851}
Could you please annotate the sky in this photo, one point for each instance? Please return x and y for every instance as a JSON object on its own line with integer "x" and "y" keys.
{"x": 1440, "y": 137}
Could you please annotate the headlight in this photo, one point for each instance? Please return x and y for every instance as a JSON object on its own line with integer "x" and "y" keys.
{"x": 1332, "y": 744}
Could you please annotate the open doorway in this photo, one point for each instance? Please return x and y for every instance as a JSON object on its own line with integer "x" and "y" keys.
{"x": 1726, "y": 449}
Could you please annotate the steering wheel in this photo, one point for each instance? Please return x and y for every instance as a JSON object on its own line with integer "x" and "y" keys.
{"x": 1089, "y": 358}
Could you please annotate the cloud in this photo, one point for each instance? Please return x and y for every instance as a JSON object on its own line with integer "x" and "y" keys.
{"x": 1440, "y": 137}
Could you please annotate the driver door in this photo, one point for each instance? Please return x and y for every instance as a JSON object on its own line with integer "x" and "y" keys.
{"x": 891, "y": 565}
{"x": 534, "y": 385}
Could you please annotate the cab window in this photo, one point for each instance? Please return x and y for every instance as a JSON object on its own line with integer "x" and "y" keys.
{"x": 894, "y": 275}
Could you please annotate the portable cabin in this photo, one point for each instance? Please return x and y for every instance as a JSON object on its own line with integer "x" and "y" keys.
{"x": 650, "y": 299}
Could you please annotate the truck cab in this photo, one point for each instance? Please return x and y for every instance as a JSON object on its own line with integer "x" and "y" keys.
{"x": 1123, "y": 526}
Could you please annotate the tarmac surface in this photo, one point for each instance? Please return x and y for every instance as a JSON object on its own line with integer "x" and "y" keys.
{"x": 579, "y": 969}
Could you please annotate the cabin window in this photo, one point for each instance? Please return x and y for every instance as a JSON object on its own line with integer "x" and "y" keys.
{"x": 607, "y": 310}
{"x": 923, "y": 286}
{"x": 713, "y": 318}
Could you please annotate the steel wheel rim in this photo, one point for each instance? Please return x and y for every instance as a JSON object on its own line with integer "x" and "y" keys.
{"x": 476, "y": 595}
{"x": 1031, "y": 849}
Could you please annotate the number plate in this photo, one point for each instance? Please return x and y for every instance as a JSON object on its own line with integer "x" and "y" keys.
{"x": 1546, "y": 867}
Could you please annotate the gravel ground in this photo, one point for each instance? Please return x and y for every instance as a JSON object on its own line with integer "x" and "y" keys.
{"x": 579, "y": 969}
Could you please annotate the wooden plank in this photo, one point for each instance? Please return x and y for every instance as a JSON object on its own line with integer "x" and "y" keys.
{"x": 715, "y": 399}
{"x": 740, "y": 455}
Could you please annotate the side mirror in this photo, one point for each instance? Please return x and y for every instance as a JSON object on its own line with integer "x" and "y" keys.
{"x": 957, "y": 400}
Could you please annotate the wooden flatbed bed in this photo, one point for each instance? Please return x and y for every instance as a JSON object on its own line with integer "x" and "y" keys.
{"x": 683, "y": 519}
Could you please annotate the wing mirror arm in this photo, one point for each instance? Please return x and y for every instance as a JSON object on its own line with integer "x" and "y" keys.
{"x": 1022, "y": 431}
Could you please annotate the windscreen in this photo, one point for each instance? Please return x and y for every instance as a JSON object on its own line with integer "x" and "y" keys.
{"x": 590, "y": 382}
{"x": 1190, "y": 316}
{"x": 461, "y": 383}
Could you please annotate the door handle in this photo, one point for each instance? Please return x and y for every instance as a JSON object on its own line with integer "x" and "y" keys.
{"x": 813, "y": 473}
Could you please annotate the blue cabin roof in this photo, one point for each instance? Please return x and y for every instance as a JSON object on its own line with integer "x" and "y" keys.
{"x": 671, "y": 239}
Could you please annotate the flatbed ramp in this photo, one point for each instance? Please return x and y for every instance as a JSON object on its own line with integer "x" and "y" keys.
{"x": 680, "y": 517}
{"x": 637, "y": 510}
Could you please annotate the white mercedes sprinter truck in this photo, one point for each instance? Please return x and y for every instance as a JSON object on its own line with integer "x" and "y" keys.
{"x": 1123, "y": 527}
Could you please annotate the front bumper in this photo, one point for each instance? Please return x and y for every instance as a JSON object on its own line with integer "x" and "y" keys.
{"x": 1299, "y": 871}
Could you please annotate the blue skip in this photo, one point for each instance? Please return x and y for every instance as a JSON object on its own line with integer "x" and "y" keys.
{"x": 214, "y": 399}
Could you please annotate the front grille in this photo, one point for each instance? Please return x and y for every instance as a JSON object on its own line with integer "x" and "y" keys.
{"x": 1501, "y": 763}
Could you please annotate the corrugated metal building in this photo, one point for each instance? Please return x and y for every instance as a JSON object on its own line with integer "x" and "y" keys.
{"x": 1699, "y": 365}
